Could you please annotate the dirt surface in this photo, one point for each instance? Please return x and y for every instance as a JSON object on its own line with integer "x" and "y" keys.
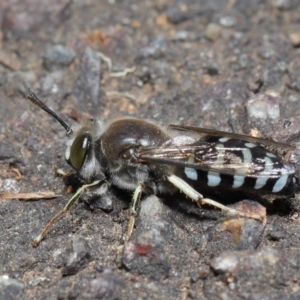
{"x": 229, "y": 65}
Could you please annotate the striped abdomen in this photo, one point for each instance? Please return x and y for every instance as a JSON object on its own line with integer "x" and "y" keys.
{"x": 237, "y": 164}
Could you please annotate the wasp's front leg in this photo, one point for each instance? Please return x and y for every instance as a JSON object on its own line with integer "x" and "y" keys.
{"x": 99, "y": 196}
{"x": 96, "y": 185}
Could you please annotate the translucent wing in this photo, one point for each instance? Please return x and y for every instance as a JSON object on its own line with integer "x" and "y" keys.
{"x": 231, "y": 156}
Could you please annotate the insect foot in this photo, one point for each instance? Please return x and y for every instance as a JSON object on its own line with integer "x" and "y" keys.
{"x": 237, "y": 233}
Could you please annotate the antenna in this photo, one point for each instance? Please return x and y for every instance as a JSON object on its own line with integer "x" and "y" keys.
{"x": 36, "y": 101}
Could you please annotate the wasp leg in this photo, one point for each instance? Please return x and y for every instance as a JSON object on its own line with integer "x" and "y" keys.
{"x": 136, "y": 198}
{"x": 198, "y": 198}
{"x": 40, "y": 237}
{"x": 102, "y": 196}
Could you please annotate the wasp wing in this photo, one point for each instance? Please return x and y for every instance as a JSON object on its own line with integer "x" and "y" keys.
{"x": 214, "y": 132}
{"x": 232, "y": 159}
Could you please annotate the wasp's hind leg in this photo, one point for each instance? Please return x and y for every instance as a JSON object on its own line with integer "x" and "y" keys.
{"x": 198, "y": 198}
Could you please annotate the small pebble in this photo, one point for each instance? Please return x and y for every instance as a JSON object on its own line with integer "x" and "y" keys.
{"x": 212, "y": 31}
{"x": 227, "y": 21}
{"x": 295, "y": 38}
{"x": 11, "y": 288}
{"x": 11, "y": 185}
{"x": 58, "y": 56}
{"x": 285, "y": 4}
{"x": 78, "y": 258}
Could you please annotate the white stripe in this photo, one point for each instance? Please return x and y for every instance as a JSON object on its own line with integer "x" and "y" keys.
{"x": 238, "y": 181}
{"x": 213, "y": 178}
{"x": 250, "y": 145}
{"x": 191, "y": 173}
{"x": 271, "y": 154}
{"x": 261, "y": 181}
{"x": 247, "y": 156}
{"x": 280, "y": 183}
{"x": 223, "y": 139}
{"x": 238, "y": 178}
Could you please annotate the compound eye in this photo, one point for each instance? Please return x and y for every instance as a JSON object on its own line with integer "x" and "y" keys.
{"x": 79, "y": 151}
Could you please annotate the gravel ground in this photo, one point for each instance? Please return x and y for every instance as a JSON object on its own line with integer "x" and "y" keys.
{"x": 229, "y": 65}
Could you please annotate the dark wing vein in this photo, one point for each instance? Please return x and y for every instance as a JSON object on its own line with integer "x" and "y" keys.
{"x": 204, "y": 157}
{"x": 243, "y": 137}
